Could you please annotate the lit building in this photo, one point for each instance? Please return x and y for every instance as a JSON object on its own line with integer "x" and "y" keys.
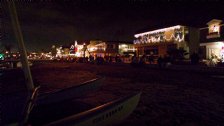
{"x": 101, "y": 48}
{"x": 212, "y": 40}
{"x": 126, "y": 48}
{"x": 74, "y": 50}
{"x": 97, "y": 48}
{"x": 158, "y": 42}
{"x": 33, "y": 55}
{"x": 62, "y": 51}
{"x": 110, "y": 48}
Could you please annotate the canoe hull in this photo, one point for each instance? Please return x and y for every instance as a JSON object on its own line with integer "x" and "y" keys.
{"x": 104, "y": 115}
{"x": 69, "y": 93}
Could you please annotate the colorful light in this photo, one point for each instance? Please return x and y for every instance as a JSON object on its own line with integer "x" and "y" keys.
{"x": 1, "y": 56}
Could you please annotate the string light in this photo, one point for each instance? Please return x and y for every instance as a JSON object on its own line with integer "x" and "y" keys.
{"x": 159, "y": 35}
{"x": 158, "y": 31}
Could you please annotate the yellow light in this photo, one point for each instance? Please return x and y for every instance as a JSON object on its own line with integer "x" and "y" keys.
{"x": 123, "y": 45}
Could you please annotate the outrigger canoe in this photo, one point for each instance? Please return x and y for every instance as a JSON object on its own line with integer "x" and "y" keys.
{"x": 70, "y": 93}
{"x": 44, "y": 99}
{"x": 107, "y": 114}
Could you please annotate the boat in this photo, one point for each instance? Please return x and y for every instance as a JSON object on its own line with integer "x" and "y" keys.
{"x": 14, "y": 102}
{"x": 107, "y": 114}
{"x": 70, "y": 93}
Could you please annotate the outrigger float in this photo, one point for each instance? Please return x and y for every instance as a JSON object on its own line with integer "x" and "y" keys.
{"x": 70, "y": 93}
{"x": 107, "y": 114}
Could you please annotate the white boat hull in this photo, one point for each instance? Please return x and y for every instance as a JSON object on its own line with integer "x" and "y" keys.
{"x": 69, "y": 93}
{"x": 104, "y": 115}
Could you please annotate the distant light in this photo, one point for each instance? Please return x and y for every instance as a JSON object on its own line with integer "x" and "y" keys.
{"x": 123, "y": 45}
{"x": 1, "y": 56}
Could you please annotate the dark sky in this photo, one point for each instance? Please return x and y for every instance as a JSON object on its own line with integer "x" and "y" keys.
{"x": 51, "y": 22}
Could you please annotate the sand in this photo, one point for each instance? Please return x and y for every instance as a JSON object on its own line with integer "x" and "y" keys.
{"x": 169, "y": 97}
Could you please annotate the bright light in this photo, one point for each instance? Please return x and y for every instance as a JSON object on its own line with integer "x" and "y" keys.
{"x": 92, "y": 49}
{"x": 220, "y": 44}
{"x": 1, "y": 57}
{"x": 154, "y": 39}
{"x": 78, "y": 54}
{"x": 123, "y": 45}
{"x": 175, "y": 33}
{"x": 72, "y": 47}
{"x": 132, "y": 49}
{"x": 159, "y": 30}
{"x": 71, "y": 54}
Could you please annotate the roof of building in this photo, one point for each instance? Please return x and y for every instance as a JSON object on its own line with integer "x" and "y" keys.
{"x": 126, "y": 42}
{"x": 196, "y": 24}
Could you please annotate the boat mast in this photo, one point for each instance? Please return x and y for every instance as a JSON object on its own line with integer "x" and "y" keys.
{"x": 22, "y": 49}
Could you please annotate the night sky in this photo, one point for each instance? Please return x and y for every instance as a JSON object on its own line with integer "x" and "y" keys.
{"x": 51, "y": 22}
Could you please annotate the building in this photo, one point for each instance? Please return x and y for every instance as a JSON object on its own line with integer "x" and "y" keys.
{"x": 126, "y": 48}
{"x": 96, "y": 48}
{"x": 158, "y": 42}
{"x": 103, "y": 48}
{"x": 71, "y": 50}
{"x": 110, "y": 48}
{"x": 212, "y": 40}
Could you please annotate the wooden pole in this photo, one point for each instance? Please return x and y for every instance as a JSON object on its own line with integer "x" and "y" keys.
{"x": 22, "y": 49}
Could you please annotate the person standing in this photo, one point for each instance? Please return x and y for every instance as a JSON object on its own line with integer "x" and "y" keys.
{"x": 160, "y": 61}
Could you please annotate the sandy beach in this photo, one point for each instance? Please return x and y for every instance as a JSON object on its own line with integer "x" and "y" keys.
{"x": 169, "y": 97}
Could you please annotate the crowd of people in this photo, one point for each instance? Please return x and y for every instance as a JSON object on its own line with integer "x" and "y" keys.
{"x": 162, "y": 61}
{"x": 94, "y": 59}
